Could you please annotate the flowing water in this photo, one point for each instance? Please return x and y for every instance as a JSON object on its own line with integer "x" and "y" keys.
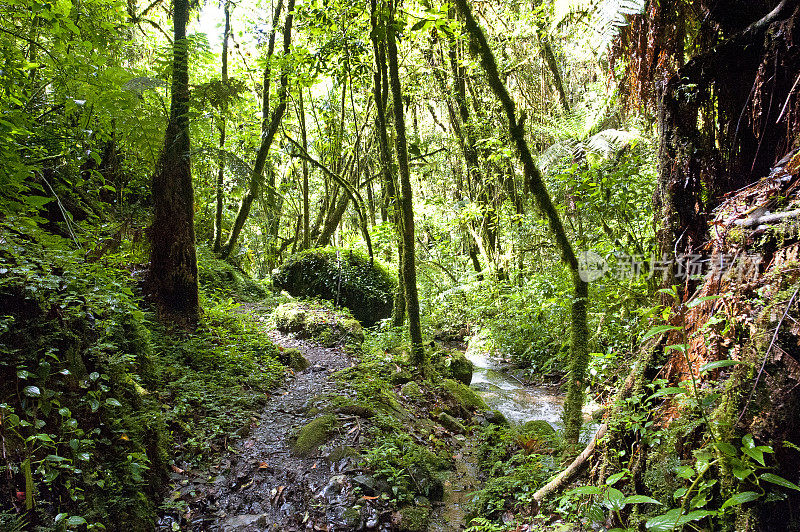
{"x": 502, "y": 391}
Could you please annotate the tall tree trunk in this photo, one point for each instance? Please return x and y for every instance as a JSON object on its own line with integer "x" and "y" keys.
{"x": 550, "y": 59}
{"x": 269, "y": 126}
{"x": 406, "y": 204}
{"x": 380, "y": 77}
{"x": 579, "y": 356}
{"x": 306, "y": 208}
{"x": 222, "y": 119}
{"x": 173, "y": 263}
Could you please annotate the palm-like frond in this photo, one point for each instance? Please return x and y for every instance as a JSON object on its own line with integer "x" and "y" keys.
{"x": 601, "y": 20}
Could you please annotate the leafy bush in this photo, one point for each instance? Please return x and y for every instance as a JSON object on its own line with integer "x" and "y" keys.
{"x": 80, "y": 431}
{"x": 345, "y": 277}
{"x": 222, "y": 278}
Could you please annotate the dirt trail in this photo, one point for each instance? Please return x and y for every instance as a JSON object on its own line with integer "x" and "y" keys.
{"x": 263, "y": 486}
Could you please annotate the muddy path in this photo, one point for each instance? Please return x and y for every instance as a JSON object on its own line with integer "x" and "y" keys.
{"x": 264, "y": 486}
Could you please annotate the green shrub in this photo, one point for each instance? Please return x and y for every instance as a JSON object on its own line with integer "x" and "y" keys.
{"x": 222, "y": 278}
{"x": 345, "y": 277}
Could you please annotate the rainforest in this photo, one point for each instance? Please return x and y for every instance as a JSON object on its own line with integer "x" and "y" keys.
{"x": 400, "y": 265}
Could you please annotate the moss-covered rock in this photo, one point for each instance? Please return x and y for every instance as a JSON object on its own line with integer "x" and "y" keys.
{"x": 325, "y": 326}
{"x": 495, "y": 417}
{"x": 414, "y": 518}
{"x": 464, "y": 395}
{"x": 221, "y": 277}
{"x": 450, "y": 423}
{"x": 453, "y": 364}
{"x": 412, "y": 391}
{"x": 293, "y": 358}
{"x": 539, "y": 427}
{"x": 314, "y": 434}
{"x": 345, "y": 277}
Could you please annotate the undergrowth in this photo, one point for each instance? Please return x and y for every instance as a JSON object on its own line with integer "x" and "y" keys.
{"x": 96, "y": 398}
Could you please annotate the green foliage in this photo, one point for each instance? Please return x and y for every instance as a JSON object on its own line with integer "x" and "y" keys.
{"x": 516, "y": 462}
{"x": 75, "y": 347}
{"x": 225, "y": 280}
{"x": 212, "y": 381}
{"x": 409, "y": 468}
{"x": 345, "y": 277}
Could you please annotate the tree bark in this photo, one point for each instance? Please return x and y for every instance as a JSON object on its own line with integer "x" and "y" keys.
{"x": 306, "y": 208}
{"x": 579, "y": 355}
{"x": 385, "y": 159}
{"x": 406, "y": 204}
{"x": 223, "y": 116}
{"x": 173, "y": 263}
{"x": 269, "y": 127}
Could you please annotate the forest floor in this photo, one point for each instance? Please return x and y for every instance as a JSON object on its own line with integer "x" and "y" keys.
{"x": 265, "y": 482}
{"x": 264, "y": 485}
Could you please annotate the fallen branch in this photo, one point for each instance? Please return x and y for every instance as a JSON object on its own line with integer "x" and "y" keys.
{"x": 564, "y": 478}
{"x": 767, "y": 218}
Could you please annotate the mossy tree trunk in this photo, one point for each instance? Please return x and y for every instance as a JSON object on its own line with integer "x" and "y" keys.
{"x": 579, "y": 356}
{"x": 269, "y": 125}
{"x": 409, "y": 267}
{"x": 172, "y": 278}
{"x": 379, "y": 87}
{"x": 223, "y": 112}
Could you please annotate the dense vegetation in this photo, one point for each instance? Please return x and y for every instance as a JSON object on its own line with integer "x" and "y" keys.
{"x": 600, "y": 194}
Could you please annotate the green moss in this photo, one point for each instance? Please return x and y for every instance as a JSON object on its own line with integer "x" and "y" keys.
{"x": 464, "y": 395}
{"x": 324, "y": 325}
{"x": 221, "y": 277}
{"x": 293, "y": 358}
{"x": 412, "y": 391}
{"x": 414, "y": 518}
{"x": 314, "y": 434}
{"x": 453, "y": 364}
{"x": 451, "y": 423}
{"x": 538, "y": 427}
{"x": 345, "y": 277}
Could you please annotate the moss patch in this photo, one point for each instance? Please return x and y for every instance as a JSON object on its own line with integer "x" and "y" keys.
{"x": 324, "y": 325}
{"x": 464, "y": 395}
{"x": 414, "y": 518}
{"x": 314, "y": 434}
{"x": 293, "y": 358}
{"x": 453, "y": 364}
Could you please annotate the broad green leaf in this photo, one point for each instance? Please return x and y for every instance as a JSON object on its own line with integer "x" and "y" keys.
{"x": 76, "y": 520}
{"x": 613, "y": 479}
{"x": 719, "y": 364}
{"x": 32, "y": 391}
{"x": 693, "y": 303}
{"x": 671, "y": 390}
{"x": 726, "y": 448}
{"x": 640, "y": 499}
{"x": 615, "y": 500}
{"x": 755, "y": 453}
{"x": 664, "y": 522}
{"x": 113, "y": 402}
{"x": 780, "y": 481}
{"x": 658, "y": 330}
{"x": 585, "y": 490}
{"x": 741, "y": 498}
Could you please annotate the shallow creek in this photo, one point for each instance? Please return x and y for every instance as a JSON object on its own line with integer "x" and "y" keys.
{"x": 518, "y": 402}
{"x": 502, "y": 391}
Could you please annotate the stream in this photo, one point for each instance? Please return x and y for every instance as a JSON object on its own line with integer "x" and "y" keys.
{"x": 517, "y": 401}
